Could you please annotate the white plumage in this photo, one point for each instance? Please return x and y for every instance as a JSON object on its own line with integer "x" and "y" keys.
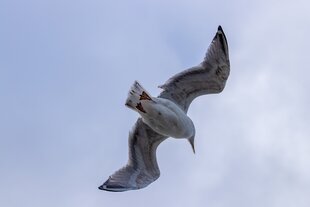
{"x": 162, "y": 115}
{"x": 165, "y": 116}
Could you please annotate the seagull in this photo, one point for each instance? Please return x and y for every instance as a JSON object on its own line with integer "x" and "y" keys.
{"x": 166, "y": 115}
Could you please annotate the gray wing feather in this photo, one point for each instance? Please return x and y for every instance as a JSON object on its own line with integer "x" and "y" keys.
{"x": 208, "y": 77}
{"x": 142, "y": 168}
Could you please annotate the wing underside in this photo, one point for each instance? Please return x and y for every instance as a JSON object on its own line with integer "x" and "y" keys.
{"x": 142, "y": 168}
{"x": 208, "y": 77}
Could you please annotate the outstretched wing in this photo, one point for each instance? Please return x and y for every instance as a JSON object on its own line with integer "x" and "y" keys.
{"x": 142, "y": 168}
{"x": 208, "y": 77}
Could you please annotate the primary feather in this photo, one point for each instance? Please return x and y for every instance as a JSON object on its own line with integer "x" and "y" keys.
{"x": 208, "y": 77}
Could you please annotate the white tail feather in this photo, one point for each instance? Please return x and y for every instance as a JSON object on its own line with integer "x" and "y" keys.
{"x": 135, "y": 95}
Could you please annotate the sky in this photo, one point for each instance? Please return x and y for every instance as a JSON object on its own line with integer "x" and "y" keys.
{"x": 65, "y": 70}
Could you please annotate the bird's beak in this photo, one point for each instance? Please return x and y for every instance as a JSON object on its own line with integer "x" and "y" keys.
{"x": 191, "y": 141}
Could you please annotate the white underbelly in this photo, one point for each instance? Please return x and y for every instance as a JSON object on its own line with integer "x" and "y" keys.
{"x": 169, "y": 123}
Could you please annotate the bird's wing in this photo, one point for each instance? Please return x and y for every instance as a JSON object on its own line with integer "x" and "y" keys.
{"x": 142, "y": 168}
{"x": 208, "y": 77}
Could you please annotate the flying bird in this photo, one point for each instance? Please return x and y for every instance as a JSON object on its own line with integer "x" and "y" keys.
{"x": 166, "y": 115}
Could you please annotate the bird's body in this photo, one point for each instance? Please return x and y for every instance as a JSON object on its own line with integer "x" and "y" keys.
{"x": 162, "y": 115}
{"x": 165, "y": 116}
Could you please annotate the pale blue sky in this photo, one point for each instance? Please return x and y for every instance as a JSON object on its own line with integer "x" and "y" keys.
{"x": 66, "y": 67}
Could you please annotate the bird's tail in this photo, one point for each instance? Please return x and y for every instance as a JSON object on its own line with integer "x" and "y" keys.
{"x": 136, "y": 94}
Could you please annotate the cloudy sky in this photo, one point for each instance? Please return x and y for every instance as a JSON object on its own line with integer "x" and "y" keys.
{"x": 66, "y": 67}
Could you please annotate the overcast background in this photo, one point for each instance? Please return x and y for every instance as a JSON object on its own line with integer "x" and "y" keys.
{"x": 66, "y": 67}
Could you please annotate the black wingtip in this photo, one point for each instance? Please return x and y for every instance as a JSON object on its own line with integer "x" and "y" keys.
{"x": 220, "y": 32}
{"x": 104, "y": 186}
{"x": 222, "y": 38}
{"x": 220, "y": 28}
{"x": 112, "y": 188}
